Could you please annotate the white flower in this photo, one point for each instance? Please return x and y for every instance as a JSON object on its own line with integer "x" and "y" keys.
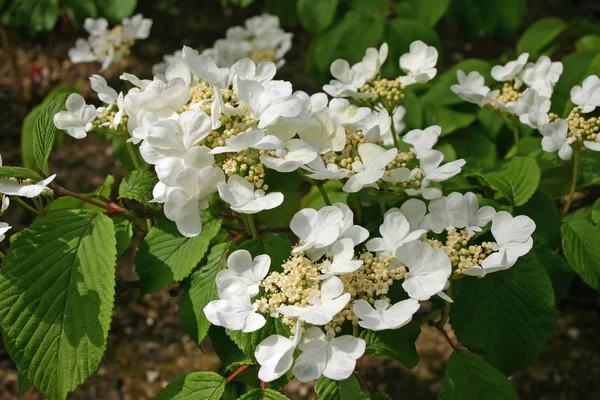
{"x": 422, "y": 139}
{"x": 513, "y": 234}
{"x": 241, "y": 266}
{"x": 430, "y": 161}
{"x": 246, "y": 69}
{"x": 344, "y": 113}
{"x": 242, "y": 197}
{"x": 106, "y": 94}
{"x": 348, "y": 81}
{"x": 317, "y": 229}
{"x": 234, "y": 310}
{"x": 343, "y": 259}
{"x": 136, "y": 27}
{"x": 378, "y": 125}
{"x": 77, "y": 120}
{"x": 82, "y": 52}
{"x": 419, "y": 63}
{"x": 4, "y": 227}
{"x": 11, "y": 187}
{"x": 511, "y": 70}
{"x": 205, "y": 68}
{"x": 587, "y": 96}
{"x": 472, "y": 88}
{"x": 542, "y": 76}
{"x": 275, "y": 355}
{"x": 321, "y": 310}
{"x": 458, "y": 211}
{"x": 371, "y": 168}
{"x": 494, "y": 262}
{"x": 95, "y": 27}
{"x": 533, "y": 109}
{"x": 269, "y": 101}
{"x": 555, "y": 138}
{"x": 383, "y": 316}
{"x": 428, "y": 269}
{"x": 371, "y": 63}
{"x": 317, "y": 170}
{"x": 334, "y": 358}
{"x": 255, "y": 139}
{"x": 357, "y": 233}
{"x": 395, "y": 231}
{"x": 4, "y": 203}
{"x": 594, "y": 146}
{"x": 414, "y": 210}
{"x": 295, "y": 154}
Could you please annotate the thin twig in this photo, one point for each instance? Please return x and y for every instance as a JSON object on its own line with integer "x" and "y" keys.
{"x": 237, "y": 372}
{"x": 111, "y": 208}
{"x": 363, "y": 382}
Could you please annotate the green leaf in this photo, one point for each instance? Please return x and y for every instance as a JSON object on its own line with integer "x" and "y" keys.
{"x": 596, "y": 213}
{"x": 247, "y": 342}
{"x": 57, "y": 283}
{"x": 138, "y": 186}
{"x": 199, "y": 290}
{"x": 27, "y": 155}
{"x": 349, "y": 389}
{"x": 440, "y": 93}
{"x": 517, "y": 179}
{"x": 44, "y": 131}
{"x": 71, "y": 203}
{"x": 369, "y": 6}
{"x": 24, "y": 384}
{"x": 165, "y": 256}
{"x": 469, "y": 377}
{"x": 19, "y": 173}
{"x": 35, "y": 15}
{"x": 429, "y": 12}
{"x": 507, "y": 314}
{"x": 83, "y": 9}
{"x": 539, "y": 36}
{"x": 543, "y": 211}
{"x": 581, "y": 244}
{"x": 284, "y": 9}
{"x": 475, "y": 147}
{"x": 116, "y": 10}
{"x": 124, "y": 234}
{"x": 575, "y": 67}
{"x": 196, "y": 385}
{"x": 316, "y": 15}
{"x": 449, "y": 120}
{"x": 267, "y": 394}
{"x": 557, "y": 268}
{"x": 229, "y": 353}
{"x": 589, "y": 42}
{"x": 398, "y": 344}
{"x": 510, "y": 14}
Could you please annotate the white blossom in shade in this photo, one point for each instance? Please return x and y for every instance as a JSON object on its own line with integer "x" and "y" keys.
{"x": 135, "y": 81}
{"x": 376, "y": 126}
{"x": 371, "y": 63}
{"x": 241, "y": 266}
{"x": 414, "y": 210}
{"x": 77, "y": 119}
{"x": 472, "y": 88}
{"x": 533, "y": 109}
{"x": 254, "y": 139}
{"x": 348, "y": 80}
{"x": 11, "y": 187}
{"x": 275, "y": 355}
{"x": 205, "y": 68}
{"x": 370, "y": 168}
{"x": 419, "y": 63}
{"x": 594, "y": 146}
{"x": 433, "y": 171}
{"x": 542, "y": 75}
{"x": 357, "y": 233}
{"x": 323, "y": 355}
{"x": 182, "y": 203}
{"x": 494, "y": 262}
{"x": 322, "y": 309}
{"x": 4, "y": 203}
{"x": 458, "y": 211}
{"x": 95, "y": 27}
{"x": 344, "y": 113}
{"x": 421, "y": 140}
{"x": 246, "y": 69}
{"x": 511, "y": 70}
{"x": 161, "y": 68}
{"x": 4, "y": 227}
{"x": 383, "y": 316}
{"x": 82, "y": 52}
{"x": 317, "y": 170}
{"x": 512, "y": 234}
{"x": 164, "y": 137}
{"x": 242, "y": 197}
{"x": 136, "y": 27}
{"x": 343, "y": 261}
{"x": 234, "y": 310}
{"x": 269, "y": 101}
{"x": 428, "y": 269}
{"x": 168, "y": 168}
{"x": 587, "y": 96}
{"x": 317, "y": 229}
{"x": 295, "y": 154}
{"x": 106, "y": 94}
{"x": 395, "y": 231}
{"x": 178, "y": 69}
{"x": 555, "y": 138}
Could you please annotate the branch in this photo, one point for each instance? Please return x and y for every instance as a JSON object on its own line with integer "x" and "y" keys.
{"x": 110, "y": 207}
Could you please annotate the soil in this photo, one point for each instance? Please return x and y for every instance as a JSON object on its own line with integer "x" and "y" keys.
{"x": 147, "y": 346}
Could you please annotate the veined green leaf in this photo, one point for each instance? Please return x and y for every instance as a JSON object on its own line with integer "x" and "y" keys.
{"x": 196, "y": 385}
{"x": 516, "y": 179}
{"x": 581, "y": 243}
{"x": 539, "y": 36}
{"x": 44, "y": 131}
{"x": 339, "y": 390}
{"x": 398, "y": 344}
{"x": 267, "y": 394}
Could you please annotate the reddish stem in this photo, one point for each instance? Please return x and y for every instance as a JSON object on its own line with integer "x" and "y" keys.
{"x": 111, "y": 208}
{"x": 239, "y": 237}
{"x": 236, "y": 373}
{"x": 363, "y": 382}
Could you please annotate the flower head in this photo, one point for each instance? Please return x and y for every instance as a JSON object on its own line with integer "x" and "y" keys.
{"x": 419, "y": 63}
{"x": 242, "y": 197}
{"x": 384, "y": 316}
{"x": 555, "y": 138}
{"x": 587, "y": 96}
{"x": 472, "y": 88}
{"x": 77, "y": 119}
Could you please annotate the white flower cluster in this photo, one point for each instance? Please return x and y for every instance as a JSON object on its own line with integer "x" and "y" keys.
{"x": 209, "y": 129}
{"x": 325, "y": 284}
{"x": 108, "y": 46}
{"x": 526, "y": 93}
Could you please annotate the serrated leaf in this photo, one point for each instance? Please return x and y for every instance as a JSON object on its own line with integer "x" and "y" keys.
{"x": 165, "y": 256}
{"x": 449, "y": 120}
{"x": 138, "y": 186}
{"x": 267, "y": 394}
{"x": 507, "y": 314}
{"x": 544, "y": 213}
{"x": 348, "y": 389}
{"x": 227, "y": 351}
{"x": 596, "y": 213}
{"x": 581, "y": 244}
{"x": 397, "y": 344}
{"x": 316, "y": 15}
{"x": 557, "y": 268}
{"x": 199, "y": 290}
{"x": 470, "y": 377}
{"x": 539, "y": 36}
{"x": 516, "y": 179}
{"x": 196, "y": 385}
{"x": 19, "y": 173}
{"x": 57, "y": 283}
{"x": 123, "y": 234}
{"x": 247, "y": 342}
{"x": 44, "y": 131}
